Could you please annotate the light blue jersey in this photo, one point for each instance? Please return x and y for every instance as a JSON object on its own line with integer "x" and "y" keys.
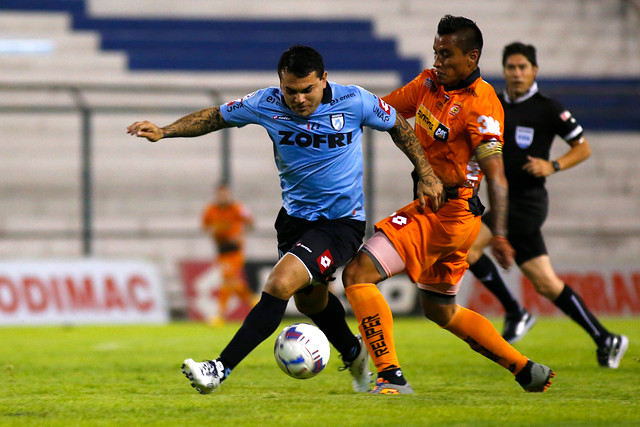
{"x": 319, "y": 157}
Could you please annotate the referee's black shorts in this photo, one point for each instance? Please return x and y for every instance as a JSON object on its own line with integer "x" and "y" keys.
{"x": 322, "y": 245}
{"x": 527, "y": 213}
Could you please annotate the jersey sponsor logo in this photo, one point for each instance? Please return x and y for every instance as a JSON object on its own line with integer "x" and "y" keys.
{"x": 285, "y": 118}
{"x": 234, "y": 105}
{"x": 325, "y": 261}
{"x": 274, "y": 100}
{"x": 303, "y": 139}
{"x": 382, "y": 114}
{"x": 337, "y": 121}
{"x": 428, "y": 122}
{"x": 489, "y": 125}
{"x": 399, "y": 220}
{"x": 473, "y": 173}
{"x": 524, "y": 136}
{"x": 334, "y": 101}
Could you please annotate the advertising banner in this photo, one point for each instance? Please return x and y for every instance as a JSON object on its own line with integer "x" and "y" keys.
{"x": 82, "y": 291}
{"x": 606, "y": 290}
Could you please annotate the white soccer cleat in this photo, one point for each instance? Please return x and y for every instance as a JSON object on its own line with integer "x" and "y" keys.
{"x": 204, "y": 376}
{"x": 359, "y": 369}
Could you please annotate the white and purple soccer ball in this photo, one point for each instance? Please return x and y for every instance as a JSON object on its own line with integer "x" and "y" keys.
{"x": 302, "y": 350}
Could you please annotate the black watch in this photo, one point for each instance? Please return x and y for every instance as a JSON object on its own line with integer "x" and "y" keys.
{"x": 556, "y": 165}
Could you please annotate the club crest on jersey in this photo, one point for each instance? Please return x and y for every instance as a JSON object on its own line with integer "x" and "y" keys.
{"x": 325, "y": 261}
{"x": 524, "y": 136}
{"x": 455, "y": 109}
{"x": 337, "y": 121}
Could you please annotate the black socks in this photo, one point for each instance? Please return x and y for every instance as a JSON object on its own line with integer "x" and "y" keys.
{"x": 332, "y": 322}
{"x": 486, "y": 271}
{"x": 259, "y": 324}
{"x": 573, "y": 306}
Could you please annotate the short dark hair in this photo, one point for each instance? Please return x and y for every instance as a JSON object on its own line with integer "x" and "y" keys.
{"x": 470, "y": 36}
{"x": 528, "y": 50}
{"x": 301, "y": 61}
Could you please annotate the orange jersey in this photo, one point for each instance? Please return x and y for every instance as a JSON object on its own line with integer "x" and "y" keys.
{"x": 451, "y": 124}
{"x": 227, "y": 222}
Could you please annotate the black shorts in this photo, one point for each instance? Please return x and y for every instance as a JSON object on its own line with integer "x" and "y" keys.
{"x": 527, "y": 213}
{"x": 322, "y": 245}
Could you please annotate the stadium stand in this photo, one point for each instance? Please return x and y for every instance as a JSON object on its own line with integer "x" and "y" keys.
{"x": 147, "y": 198}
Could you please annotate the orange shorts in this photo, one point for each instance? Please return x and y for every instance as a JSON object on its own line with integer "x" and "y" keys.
{"x": 232, "y": 265}
{"x": 433, "y": 246}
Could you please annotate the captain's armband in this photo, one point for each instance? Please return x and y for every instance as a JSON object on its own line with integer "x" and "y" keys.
{"x": 488, "y": 148}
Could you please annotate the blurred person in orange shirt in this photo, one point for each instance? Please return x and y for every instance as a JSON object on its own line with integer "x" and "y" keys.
{"x": 226, "y": 221}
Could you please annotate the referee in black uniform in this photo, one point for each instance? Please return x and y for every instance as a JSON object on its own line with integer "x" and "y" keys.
{"x": 532, "y": 120}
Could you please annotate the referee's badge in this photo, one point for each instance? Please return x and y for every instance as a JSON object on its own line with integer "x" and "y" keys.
{"x": 524, "y": 137}
{"x": 337, "y": 121}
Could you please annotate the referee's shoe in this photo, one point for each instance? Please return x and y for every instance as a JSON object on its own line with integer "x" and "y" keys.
{"x": 517, "y": 325}
{"x": 611, "y": 352}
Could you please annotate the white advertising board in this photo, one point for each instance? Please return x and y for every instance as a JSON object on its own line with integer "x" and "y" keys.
{"x": 80, "y": 291}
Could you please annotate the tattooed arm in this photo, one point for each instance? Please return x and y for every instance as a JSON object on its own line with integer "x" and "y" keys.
{"x": 429, "y": 185}
{"x": 492, "y": 167}
{"x": 195, "y": 124}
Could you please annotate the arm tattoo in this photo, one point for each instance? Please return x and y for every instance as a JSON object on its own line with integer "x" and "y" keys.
{"x": 405, "y": 138}
{"x": 498, "y": 199}
{"x": 196, "y": 124}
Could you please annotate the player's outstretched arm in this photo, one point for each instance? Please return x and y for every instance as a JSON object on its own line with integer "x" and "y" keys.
{"x": 195, "y": 124}
{"x": 492, "y": 167}
{"x": 429, "y": 185}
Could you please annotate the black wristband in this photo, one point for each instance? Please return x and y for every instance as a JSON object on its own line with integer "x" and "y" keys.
{"x": 556, "y": 165}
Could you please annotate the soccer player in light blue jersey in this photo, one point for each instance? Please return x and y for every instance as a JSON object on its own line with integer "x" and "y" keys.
{"x": 316, "y": 130}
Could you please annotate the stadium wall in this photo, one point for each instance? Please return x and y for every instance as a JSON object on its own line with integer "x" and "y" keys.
{"x": 147, "y": 198}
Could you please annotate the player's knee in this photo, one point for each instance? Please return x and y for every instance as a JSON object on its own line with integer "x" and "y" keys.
{"x": 280, "y": 286}
{"x": 358, "y": 271}
{"x": 474, "y": 255}
{"x": 550, "y": 289}
{"x": 311, "y": 300}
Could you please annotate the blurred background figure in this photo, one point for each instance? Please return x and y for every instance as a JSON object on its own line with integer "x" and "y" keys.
{"x": 226, "y": 221}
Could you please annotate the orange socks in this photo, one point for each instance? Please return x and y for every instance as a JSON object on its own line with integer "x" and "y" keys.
{"x": 375, "y": 323}
{"x": 482, "y": 337}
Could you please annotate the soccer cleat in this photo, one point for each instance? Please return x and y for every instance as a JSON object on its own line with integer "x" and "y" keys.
{"x": 535, "y": 377}
{"x": 204, "y": 376}
{"x": 610, "y": 354}
{"x": 359, "y": 369}
{"x": 516, "y": 327}
{"x": 385, "y": 387}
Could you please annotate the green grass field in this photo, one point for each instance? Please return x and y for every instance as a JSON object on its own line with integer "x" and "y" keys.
{"x": 130, "y": 375}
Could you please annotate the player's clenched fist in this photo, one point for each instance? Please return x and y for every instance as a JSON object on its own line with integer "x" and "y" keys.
{"x": 145, "y": 130}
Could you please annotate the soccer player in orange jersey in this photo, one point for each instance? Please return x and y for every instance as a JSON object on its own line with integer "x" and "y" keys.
{"x": 459, "y": 121}
{"x": 226, "y": 221}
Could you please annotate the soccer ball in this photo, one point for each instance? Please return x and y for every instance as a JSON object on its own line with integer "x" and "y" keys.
{"x": 301, "y": 350}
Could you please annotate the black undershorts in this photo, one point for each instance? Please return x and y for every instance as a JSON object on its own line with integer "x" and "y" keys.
{"x": 322, "y": 245}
